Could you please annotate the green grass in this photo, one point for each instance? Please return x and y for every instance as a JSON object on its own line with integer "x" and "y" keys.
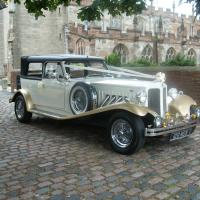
{"x": 140, "y": 63}
{"x": 179, "y": 60}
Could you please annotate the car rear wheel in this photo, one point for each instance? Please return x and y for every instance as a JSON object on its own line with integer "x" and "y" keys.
{"x": 83, "y": 97}
{"x": 21, "y": 112}
{"x": 126, "y": 133}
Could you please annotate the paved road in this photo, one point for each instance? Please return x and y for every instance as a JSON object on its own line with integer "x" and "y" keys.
{"x": 55, "y": 160}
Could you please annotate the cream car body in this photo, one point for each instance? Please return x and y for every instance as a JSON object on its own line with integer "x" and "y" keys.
{"x": 49, "y": 88}
{"x": 42, "y": 98}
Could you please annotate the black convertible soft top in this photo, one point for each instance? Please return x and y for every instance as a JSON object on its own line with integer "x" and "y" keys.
{"x": 58, "y": 57}
{"x": 25, "y": 60}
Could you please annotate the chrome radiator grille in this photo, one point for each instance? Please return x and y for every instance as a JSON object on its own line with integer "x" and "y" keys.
{"x": 164, "y": 100}
{"x": 157, "y": 100}
{"x": 154, "y": 100}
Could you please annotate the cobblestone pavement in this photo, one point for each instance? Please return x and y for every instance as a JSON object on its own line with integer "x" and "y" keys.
{"x": 55, "y": 160}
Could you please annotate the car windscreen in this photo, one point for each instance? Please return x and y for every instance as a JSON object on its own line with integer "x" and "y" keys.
{"x": 74, "y": 68}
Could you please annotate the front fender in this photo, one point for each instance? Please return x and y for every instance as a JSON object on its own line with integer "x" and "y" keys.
{"x": 181, "y": 105}
{"x": 27, "y": 98}
{"x": 136, "y": 109}
{"x": 140, "y": 111}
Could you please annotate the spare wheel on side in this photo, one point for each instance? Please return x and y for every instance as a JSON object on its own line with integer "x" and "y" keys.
{"x": 82, "y": 98}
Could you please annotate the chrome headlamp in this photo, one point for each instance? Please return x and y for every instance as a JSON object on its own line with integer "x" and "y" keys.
{"x": 141, "y": 96}
{"x": 173, "y": 93}
{"x": 157, "y": 122}
{"x": 195, "y": 110}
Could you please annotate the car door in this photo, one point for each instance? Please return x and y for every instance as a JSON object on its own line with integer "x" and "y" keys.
{"x": 51, "y": 89}
{"x": 76, "y": 75}
{"x": 30, "y": 81}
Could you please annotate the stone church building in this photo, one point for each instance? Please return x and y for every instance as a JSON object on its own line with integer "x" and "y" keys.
{"x": 155, "y": 35}
{"x": 3, "y": 39}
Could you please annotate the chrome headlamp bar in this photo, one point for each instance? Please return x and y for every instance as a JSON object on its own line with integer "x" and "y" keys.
{"x": 141, "y": 96}
{"x": 158, "y": 122}
{"x": 195, "y": 110}
{"x": 173, "y": 93}
{"x": 140, "y": 75}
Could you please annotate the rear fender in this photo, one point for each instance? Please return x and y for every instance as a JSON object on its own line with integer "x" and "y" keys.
{"x": 27, "y": 98}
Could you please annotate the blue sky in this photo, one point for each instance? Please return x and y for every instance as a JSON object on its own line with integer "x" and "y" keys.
{"x": 181, "y": 9}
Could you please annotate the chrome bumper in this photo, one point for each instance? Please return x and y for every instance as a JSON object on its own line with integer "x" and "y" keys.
{"x": 151, "y": 132}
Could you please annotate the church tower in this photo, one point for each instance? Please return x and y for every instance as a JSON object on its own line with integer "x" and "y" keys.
{"x": 3, "y": 36}
{"x": 29, "y": 36}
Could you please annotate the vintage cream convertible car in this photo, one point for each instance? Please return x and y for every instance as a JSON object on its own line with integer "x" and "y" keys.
{"x": 132, "y": 105}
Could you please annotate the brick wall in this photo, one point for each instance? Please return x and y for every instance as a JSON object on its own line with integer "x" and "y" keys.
{"x": 187, "y": 80}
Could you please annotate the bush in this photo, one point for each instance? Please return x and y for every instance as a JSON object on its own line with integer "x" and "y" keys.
{"x": 179, "y": 60}
{"x": 140, "y": 63}
{"x": 113, "y": 59}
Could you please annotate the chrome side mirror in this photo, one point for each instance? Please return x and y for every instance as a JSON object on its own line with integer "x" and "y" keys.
{"x": 67, "y": 76}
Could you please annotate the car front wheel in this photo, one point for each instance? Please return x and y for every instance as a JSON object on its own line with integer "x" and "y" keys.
{"x": 126, "y": 133}
{"x": 21, "y": 112}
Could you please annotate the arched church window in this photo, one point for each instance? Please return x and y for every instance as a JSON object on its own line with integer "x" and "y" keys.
{"x": 122, "y": 51}
{"x": 171, "y": 53}
{"x": 192, "y": 54}
{"x": 80, "y": 47}
{"x": 147, "y": 53}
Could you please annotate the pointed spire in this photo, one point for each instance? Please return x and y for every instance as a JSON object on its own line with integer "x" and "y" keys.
{"x": 193, "y": 10}
{"x": 160, "y": 24}
{"x": 135, "y": 20}
{"x": 174, "y": 7}
{"x": 151, "y": 6}
{"x": 151, "y": 3}
{"x": 182, "y": 25}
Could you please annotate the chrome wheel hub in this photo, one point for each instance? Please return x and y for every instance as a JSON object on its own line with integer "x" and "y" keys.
{"x": 122, "y": 133}
{"x": 79, "y": 101}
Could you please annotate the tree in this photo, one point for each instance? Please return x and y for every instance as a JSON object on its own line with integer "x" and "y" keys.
{"x": 94, "y": 11}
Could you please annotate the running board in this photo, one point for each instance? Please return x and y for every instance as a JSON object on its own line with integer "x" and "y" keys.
{"x": 124, "y": 106}
{"x": 49, "y": 114}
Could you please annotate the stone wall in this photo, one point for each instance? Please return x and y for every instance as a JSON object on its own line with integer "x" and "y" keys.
{"x": 135, "y": 33}
{"x": 1, "y": 43}
{"x": 46, "y": 35}
{"x": 3, "y": 40}
{"x": 102, "y": 42}
{"x": 37, "y": 37}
